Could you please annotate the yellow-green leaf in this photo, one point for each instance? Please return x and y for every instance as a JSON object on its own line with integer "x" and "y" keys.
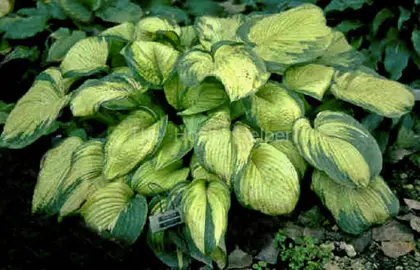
{"x": 207, "y": 95}
{"x": 340, "y": 53}
{"x": 195, "y": 66}
{"x": 147, "y": 29}
{"x": 199, "y": 172}
{"x": 175, "y": 146}
{"x": 221, "y": 148}
{"x": 212, "y": 29}
{"x": 173, "y": 89}
{"x": 115, "y": 211}
{"x": 6, "y": 6}
{"x": 88, "y": 56}
{"x": 270, "y": 182}
{"x": 295, "y": 36}
{"x": 193, "y": 123}
{"x": 85, "y": 175}
{"x": 55, "y": 166}
{"x": 93, "y": 93}
{"x": 356, "y": 209}
{"x": 148, "y": 180}
{"x": 340, "y": 146}
{"x": 124, "y": 31}
{"x": 312, "y": 80}
{"x": 188, "y": 36}
{"x": 135, "y": 138}
{"x": 205, "y": 207}
{"x": 274, "y": 108}
{"x": 289, "y": 149}
{"x": 239, "y": 69}
{"x": 152, "y": 61}
{"x": 35, "y": 113}
{"x": 381, "y": 96}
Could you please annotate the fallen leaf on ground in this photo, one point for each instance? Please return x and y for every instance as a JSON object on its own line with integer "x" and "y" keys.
{"x": 406, "y": 217}
{"x": 415, "y": 223}
{"x": 412, "y": 204}
{"x": 268, "y": 254}
{"x": 393, "y": 231}
{"x": 395, "y": 249}
{"x": 239, "y": 259}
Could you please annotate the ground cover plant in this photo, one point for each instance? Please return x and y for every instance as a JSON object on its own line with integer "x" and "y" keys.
{"x": 387, "y": 33}
{"x": 168, "y": 121}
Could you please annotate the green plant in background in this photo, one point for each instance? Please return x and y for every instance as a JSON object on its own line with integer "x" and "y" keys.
{"x": 301, "y": 253}
{"x": 261, "y": 265}
{"x": 183, "y": 107}
{"x": 48, "y": 16}
{"x": 388, "y": 33}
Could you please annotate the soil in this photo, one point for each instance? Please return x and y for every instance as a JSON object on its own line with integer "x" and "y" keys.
{"x": 35, "y": 242}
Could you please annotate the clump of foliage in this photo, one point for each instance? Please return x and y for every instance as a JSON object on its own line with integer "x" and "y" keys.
{"x": 301, "y": 253}
{"x": 387, "y": 33}
{"x": 190, "y": 114}
{"x": 81, "y": 18}
{"x": 261, "y": 265}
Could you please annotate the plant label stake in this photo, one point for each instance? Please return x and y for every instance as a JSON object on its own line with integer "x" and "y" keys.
{"x": 166, "y": 220}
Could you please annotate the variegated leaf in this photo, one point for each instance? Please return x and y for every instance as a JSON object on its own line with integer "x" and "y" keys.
{"x": 312, "y": 80}
{"x": 55, "y": 167}
{"x": 340, "y": 146}
{"x": 124, "y": 31}
{"x": 356, "y": 209}
{"x": 295, "y": 36}
{"x": 94, "y": 93}
{"x": 174, "y": 89}
{"x": 274, "y": 108}
{"x": 212, "y": 29}
{"x": 149, "y": 28}
{"x": 205, "y": 207}
{"x": 239, "y": 69}
{"x": 135, "y": 138}
{"x": 116, "y": 212}
{"x": 35, "y": 113}
{"x": 194, "y": 66}
{"x": 88, "y": 56}
{"x": 221, "y": 148}
{"x": 148, "y": 180}
{"x": 85, "y": 176}
{"x": 175, "y": 146}
{"x": 188, "y": 36}
{"x": 379, "y": 95}
{"x": 153, "y": 70}
{"x": 199, "y": 172}
{"x": 270, "y": 182}
{"x": 340, "y": 54}
{"x": 290, "y": 150}
{"x": 207, "y": 95}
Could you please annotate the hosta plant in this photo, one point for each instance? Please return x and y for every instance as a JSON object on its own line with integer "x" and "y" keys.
{"x": 253, "y": 106}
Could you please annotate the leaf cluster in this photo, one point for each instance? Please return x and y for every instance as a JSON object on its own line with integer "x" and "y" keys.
{"x": 388, "y": 34}
{"x": 250, "y": 105}
{"x": 301, "y": 253}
